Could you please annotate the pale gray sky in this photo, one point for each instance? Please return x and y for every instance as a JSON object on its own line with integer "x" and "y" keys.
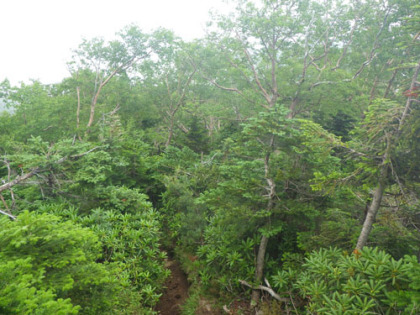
{"x": 37, "y": 35}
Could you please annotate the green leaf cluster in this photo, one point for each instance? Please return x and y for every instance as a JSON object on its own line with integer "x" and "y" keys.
{"x": 50, "y": 265}
{"x": 332, "y": 281}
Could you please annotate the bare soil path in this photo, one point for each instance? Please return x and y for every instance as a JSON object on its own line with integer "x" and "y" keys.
{"x": 176, "y": 291}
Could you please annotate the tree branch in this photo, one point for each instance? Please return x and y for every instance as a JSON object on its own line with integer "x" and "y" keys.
{"x": 267, "y": 97}
{"x": 374, "y": 47}
{"x": 266, "y": 289}
{"x": 19, "y": 179}
{"x": 36, "y": 170}
{"x": 346, "y": 46}
{"x": 9, "y": 215}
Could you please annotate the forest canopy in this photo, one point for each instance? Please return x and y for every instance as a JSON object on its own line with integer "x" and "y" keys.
{"x": 278, "y": 158}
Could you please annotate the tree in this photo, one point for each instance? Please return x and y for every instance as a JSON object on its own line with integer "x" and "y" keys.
{"x": 106, "y": 60}
{"x": 286, "y": 51}
{"x": 390, "y": 139}
{"x": 37, "y": 110}
{"x": 255, "y": 200}
{"x": 168, "y": 79}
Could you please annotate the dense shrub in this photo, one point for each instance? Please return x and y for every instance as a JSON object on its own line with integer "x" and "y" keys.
{"x": 365, "y": 282}
{"x": 50, "y": 266}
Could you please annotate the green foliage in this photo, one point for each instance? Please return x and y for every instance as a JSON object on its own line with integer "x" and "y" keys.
{"x": 132, "y": 241}
{"x": 204, "y": 131}
{"x": 20, "y": 295}
{"x": 129, "y": 230}
{"x": 335, "y": 227}
{"x": 197, "y": 139}
{"x": 97, "y": 168}
{"x": 332, "y": 281}
{"x": 36, "y": 112}
{"x": 390, "y": 232}
{"x": 125, "y": 201}
{"x": 238, "y": 206}
{"x": 55, "y": 266}
{"x": 186, "y": 178}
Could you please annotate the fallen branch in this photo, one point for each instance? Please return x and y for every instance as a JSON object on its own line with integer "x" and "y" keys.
{"x": 226, "y": 309}
{"x": 9, "y": 215}
{"x": 266, "y": 289}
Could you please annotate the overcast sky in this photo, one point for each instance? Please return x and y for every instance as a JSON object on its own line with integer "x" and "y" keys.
{"x": 37, "y": 35}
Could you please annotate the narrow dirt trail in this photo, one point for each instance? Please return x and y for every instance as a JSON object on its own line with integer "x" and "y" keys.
{"x": 176, "y": 291}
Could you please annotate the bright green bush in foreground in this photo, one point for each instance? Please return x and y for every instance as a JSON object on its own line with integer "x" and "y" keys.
{"x": 49, "y": 267}
{"x": 129, "y": 229}
{"x": 365, "y": 282}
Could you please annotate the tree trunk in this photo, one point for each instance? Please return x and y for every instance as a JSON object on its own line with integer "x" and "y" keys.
{"x": 92, "y": 107}
{"x": 373, "y": 208}
{"x": 171, "y": 132}
{"x": 410, "y": 98}
{"x": 292, "y": 108}
{"x": 78, "y": 109}
{"x": 259, "y": 269}
{"x": 101, "y": 85}
{"x": 383, "y": 173}
{"x": 271, "y": 189}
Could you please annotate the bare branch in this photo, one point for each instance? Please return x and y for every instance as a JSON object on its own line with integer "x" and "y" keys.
{"x": 36, "y": 170}
{"x": 103, "y": 83}
{"x": 95, "y": 98}
{"x": 19, "y": 179}
{"x": 346, "y": 46}
{"x": 76, "y": 156}
{"x": 183, "y": 128}
{"x": 9, "y": 215}
{"x": 374, "y": 47}
{"x": 328, "y": 82}
{"x": 114, "y": 111}
{"x": 266, "y": 289}
{"x": 78, "y": 108}
{"x": 410, "y": 98}
{"x": 9, "y": 172}
{"x": 4, "y": 203}
{"x": 223, "y": 87}
{"x": 267, "y": 97}
{"x": 394, "y": 74}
